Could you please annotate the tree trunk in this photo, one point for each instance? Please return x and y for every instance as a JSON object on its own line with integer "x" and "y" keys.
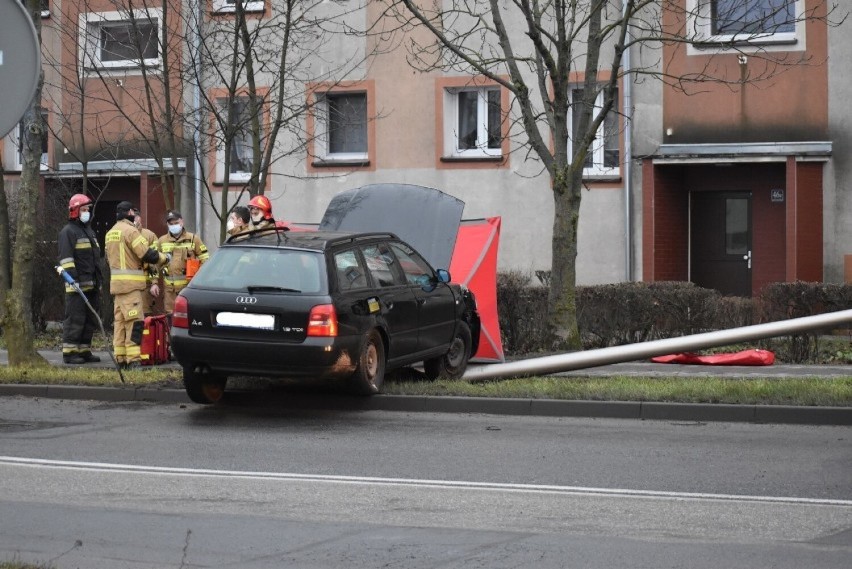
{"x": 18, "y": 324}
{"x": 562, "y": 299}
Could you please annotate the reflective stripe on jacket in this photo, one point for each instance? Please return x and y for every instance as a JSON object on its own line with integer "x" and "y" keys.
{"x": 185, "y": 246}
{"x": 79, "y": 254}
{"x": 125, "y": 249}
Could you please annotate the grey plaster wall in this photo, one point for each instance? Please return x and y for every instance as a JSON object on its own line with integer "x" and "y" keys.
{"x": 837, "y": 196}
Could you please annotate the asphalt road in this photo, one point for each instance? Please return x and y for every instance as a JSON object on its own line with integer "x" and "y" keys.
{"x": 136, "y": 485}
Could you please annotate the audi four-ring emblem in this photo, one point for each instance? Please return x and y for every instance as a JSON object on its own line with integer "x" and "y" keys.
{"x": 246, "y": 300}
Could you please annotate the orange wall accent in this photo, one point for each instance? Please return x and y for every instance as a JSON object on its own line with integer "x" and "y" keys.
{"x": 794, "y": 108}
{"x": 665, "y": 221}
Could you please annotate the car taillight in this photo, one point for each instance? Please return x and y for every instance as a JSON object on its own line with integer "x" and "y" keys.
{"x": 180, "y": 316}
{"x": 322, "y": 321}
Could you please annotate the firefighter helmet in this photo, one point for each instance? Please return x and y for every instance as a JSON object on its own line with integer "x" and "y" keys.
{"x": 262, "y": 203}
{"x": 75, "y": 203}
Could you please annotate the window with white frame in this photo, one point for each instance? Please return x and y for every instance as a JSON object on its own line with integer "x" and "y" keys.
{"x": 230, "y": 6}
{"x": 603, "y": 157}
{"x": 473, "y": 120}
{"x": 341, "y": 126}
{"x": 241, "y": 138}
{"x": 121, "y": 40}
{"x": 18, "y": 141}
{"x": 746, "y": 22}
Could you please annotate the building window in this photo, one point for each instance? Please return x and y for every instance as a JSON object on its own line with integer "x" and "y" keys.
{"x": 18, "y": 140}
{"x": 473, "y": 122}
{"x": 341, "y": 126}
{"x": 230, "y": 6}
{"x": 241, "y": 139}
{"x": 744, "y": 22}
{"x": 115, "y": 40}
{"x": 603, "y": 156}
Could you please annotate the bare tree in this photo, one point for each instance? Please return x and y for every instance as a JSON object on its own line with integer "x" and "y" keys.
{"x": 252, "y": 72}
{"x": 16, "y": 274}
{"x": 545, "y": 52}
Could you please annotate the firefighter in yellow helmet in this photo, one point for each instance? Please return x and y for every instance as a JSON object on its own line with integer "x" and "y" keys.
{"x": 260, "y": 210}
{"x": 79, "y": 254}
{"x": 128, "y": 252}
{"x": 183, "y": 246}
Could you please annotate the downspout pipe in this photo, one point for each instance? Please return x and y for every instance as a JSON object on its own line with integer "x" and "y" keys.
{"x": 631, "y": 352}
{"x": 628, "y": 156}
{"x": 196, "y": 105}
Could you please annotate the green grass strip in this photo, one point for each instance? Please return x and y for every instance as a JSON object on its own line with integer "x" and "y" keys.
{"x": 807, "y": 391}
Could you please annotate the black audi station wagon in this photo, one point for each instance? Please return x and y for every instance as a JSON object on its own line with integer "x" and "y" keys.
{"x": 319, "y": 305}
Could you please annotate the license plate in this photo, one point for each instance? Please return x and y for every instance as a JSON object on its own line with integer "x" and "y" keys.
{"x": 243, "y": 320}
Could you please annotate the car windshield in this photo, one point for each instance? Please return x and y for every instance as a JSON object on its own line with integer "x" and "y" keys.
{"x": 263, "y": 270}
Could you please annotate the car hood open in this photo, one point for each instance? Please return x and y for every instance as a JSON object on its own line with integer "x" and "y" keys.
{"x": 426, "y": 218}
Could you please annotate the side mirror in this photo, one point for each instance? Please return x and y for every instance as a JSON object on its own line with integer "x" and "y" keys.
{"x": 444, "y": 275}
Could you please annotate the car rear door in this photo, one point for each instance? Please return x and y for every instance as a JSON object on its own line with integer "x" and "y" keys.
{"x": 436, "y": 305}
{"x": 397, "y": 303}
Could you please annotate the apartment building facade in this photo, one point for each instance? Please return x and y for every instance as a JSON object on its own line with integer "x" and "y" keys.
{"x": 732, "y": 186}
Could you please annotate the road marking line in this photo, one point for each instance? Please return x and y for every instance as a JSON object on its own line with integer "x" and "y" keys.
{"x": 377, "y": 481}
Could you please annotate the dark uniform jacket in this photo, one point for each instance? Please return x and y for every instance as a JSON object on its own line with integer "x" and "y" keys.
{"x": 79, "y": 254}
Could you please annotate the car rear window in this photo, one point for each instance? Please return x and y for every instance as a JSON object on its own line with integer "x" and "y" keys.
{"x": 238, "y": 268}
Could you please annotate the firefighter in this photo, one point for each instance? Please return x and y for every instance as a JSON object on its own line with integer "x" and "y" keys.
{"x": 79, "y": 254}
{"x": 238, "y": 220}
{"x": 152, "y": 290}
{"x": 183, "y": 246}
{"x": 260, "y": 210}
{"x": 127, "y": 252}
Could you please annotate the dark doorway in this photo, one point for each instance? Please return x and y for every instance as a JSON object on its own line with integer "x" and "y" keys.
{"x": 103, "y": 220}
{"x": 721, "y": 245}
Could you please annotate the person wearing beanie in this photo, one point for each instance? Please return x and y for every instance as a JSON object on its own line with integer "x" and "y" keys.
{"x": 127, "y": 253}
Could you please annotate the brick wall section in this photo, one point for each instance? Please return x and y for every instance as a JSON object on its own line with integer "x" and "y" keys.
{"x": 804, "y": 221}
{"x": 665, "y": 223}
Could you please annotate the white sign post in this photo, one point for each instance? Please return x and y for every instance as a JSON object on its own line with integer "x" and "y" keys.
{"x": 20, "y": 63}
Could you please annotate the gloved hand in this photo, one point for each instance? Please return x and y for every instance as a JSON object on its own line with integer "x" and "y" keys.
{"x": 166, "y": 258}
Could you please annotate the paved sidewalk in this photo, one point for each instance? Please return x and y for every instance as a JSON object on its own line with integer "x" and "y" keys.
{"x": 528, "y": 407}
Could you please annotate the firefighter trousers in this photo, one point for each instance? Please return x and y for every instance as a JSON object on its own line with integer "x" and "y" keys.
{"x": 79, "y": 323}
{"x": 127, "y": 327}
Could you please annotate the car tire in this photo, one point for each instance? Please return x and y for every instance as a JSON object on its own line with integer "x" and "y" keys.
{"x": 453, "y": 364}
{"x": 370, "y": 373}
{"x": 203, "y": 387}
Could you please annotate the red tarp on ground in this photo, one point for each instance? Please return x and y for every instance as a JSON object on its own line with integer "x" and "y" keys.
{"x": 743, "y": 358}
{"x": 474, "y": 264}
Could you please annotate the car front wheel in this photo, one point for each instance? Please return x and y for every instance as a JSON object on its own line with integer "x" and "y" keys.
{"x": 370, "y": 373}
{"x": 203, "y": 387}
{"x": 452, "y": 364}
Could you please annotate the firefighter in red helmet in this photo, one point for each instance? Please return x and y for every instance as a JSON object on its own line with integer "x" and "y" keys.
{"x": 79, "y": 255}
{"x": 260, "y": 210}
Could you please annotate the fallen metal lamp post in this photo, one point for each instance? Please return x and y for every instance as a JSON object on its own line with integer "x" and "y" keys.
{"x": 631, "y": 352}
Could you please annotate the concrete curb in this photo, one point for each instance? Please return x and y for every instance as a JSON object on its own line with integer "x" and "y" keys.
{"x": 653, "y": 411}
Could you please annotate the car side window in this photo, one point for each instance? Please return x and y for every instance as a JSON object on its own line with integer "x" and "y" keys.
{"x": 380, "y": 264}
{"x": 417, "y": 271}
{"x": 350, "y": 271}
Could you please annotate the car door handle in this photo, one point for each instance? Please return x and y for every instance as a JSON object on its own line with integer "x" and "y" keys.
{"x": 421, "y": 301}
{"x": 389, "y": 305}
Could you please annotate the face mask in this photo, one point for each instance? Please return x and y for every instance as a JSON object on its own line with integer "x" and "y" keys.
{"x": 257, "y": 218}
{"x": 175, "y": 229}
{"x": 230, "y": 225}
{"x": 85, "y": 216}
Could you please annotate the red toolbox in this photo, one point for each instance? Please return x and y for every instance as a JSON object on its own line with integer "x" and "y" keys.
{"x": 155, "y": 340}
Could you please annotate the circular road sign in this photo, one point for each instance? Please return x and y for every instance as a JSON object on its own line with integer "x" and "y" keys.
{"x": 20, "y": 63}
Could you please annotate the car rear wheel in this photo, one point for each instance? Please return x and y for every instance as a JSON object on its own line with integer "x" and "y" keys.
{"x": 370, "y": 373}
{"x": 452, "y": 364}
{"x": 203, "y": 387}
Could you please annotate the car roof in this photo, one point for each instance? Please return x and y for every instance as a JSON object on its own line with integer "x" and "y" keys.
{"x": 314, "y": 240}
